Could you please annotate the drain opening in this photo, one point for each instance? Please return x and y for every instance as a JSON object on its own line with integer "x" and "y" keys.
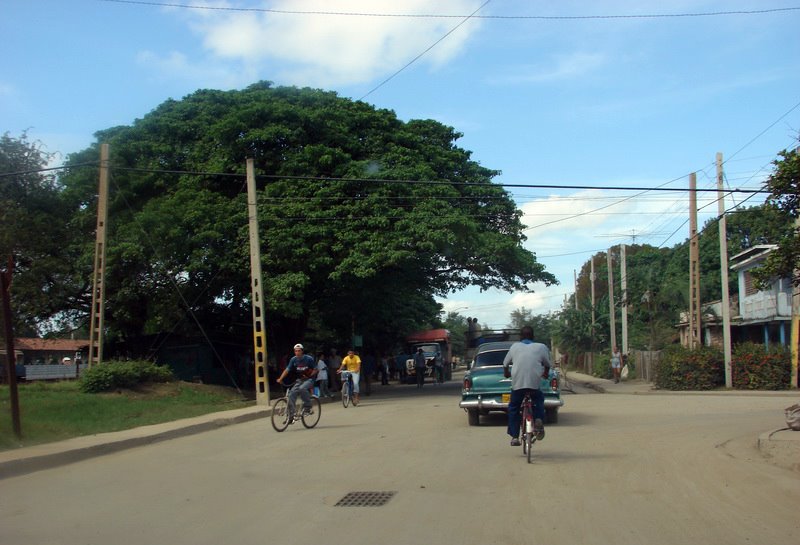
{"x": 365, "y": 499}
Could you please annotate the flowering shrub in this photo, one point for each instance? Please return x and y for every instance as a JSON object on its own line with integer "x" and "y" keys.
{"x": 755, "y": 367}
{"x": 683, "y": 369}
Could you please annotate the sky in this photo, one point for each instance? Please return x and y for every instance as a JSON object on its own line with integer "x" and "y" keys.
{"x": 573, "y": 101}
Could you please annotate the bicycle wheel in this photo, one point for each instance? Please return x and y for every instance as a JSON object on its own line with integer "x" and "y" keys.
{"x": 310, "y": 420}
{"x": 280, "y": 414}
{"x": 529, "y": 445}
{"x": 345, "y": 394}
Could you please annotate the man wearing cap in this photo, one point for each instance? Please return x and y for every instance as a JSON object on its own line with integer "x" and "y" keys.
{"x": 301, "y": 370}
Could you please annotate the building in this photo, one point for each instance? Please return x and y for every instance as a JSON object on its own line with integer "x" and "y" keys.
{"x": 760, "y": 316}
{"x": 51, "y": 351}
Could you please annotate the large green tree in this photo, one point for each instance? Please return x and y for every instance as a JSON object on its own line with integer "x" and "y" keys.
{"x": 784, "y": 186}
{"x": 364, "y": 218}
{"x": 35, "y": 234}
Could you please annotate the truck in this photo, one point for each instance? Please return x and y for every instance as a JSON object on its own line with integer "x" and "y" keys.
{"x": 436, "y": 346}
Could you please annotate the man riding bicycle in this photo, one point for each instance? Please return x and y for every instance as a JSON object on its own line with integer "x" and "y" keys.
{"x": 352, "y": 364}
{"x": 531, "y": 362}
{"x": 301, "y": 370}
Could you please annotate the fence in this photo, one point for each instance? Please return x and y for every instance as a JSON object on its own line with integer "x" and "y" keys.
{"x": 53, "y": 372}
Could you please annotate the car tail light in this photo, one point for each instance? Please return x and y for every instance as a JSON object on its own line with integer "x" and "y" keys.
{"x": 554, "y": 383}
{"x": 467, "y": 384}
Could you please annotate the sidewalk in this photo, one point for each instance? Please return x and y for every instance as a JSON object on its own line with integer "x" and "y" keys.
{"x": 782, "y": 445}
{"x": 49, "y": 455}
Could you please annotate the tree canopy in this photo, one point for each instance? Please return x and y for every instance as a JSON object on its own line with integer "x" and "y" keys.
{"x": 364, "y": 218}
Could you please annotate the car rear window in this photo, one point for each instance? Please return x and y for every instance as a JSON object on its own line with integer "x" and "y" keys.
{"x": 487, "y": 359}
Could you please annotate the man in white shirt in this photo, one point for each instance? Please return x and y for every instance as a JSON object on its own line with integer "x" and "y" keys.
{"x": 531, "y": 362}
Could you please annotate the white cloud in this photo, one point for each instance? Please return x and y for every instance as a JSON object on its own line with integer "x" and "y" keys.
{"x": 319, "y": 49}
{"x": 559, "y": 67}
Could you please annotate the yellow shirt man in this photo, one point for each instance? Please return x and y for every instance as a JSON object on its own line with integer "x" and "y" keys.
{"x": 351, "y": 362}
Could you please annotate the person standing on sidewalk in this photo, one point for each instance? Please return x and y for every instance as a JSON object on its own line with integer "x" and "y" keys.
{"x": 531, "y": 362}
{"x": 322, "y": 376}
{"x": 616, "y": 363}
{"x": 419, "y": 367}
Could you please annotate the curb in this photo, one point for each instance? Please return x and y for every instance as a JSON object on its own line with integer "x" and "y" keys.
{"x": 47, "y": 456}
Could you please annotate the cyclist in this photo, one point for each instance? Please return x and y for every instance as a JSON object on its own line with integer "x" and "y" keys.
{"x": 531, "y": 362}
{"x": 352, "y": 364}
{"x": 301, "y": 370}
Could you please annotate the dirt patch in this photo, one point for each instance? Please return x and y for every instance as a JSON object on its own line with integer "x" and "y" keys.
{"x": 166, "y": 389}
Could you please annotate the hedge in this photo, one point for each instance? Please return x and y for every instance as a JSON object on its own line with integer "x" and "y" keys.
{"x": 122, "y": 374}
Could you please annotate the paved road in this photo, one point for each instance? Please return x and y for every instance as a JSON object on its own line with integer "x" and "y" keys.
{"x": 655, "y": 469}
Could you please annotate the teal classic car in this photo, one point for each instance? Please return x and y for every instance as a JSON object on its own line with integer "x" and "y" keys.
{"x": 485, "y": 389}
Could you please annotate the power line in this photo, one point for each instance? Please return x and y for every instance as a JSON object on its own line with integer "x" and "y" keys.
{"x": 415, "y": 59}
{"x": 456, "y": 16}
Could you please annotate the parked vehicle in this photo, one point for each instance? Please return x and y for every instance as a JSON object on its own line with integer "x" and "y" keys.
{"x": 485, "y": 389}
{"x": 435, "y": 344}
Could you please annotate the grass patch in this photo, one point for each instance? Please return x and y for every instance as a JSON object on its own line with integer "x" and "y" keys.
{"x": 53, "y": 411}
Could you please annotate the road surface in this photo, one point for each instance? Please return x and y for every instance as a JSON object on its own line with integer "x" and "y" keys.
{"x": 616, "y": 469}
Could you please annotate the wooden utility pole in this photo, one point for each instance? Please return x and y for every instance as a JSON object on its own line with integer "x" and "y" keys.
{"x": 623, "y": 267}
{"x": 611, "y": 310}
{"x": 694, "y": 267}
{"x": 11, "y": 360}
{"x": 98, "y": 279}
{"x": 723, "y": 269}
{"x": 257, "y": 292}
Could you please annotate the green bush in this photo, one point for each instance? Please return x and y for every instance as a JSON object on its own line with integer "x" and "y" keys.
{"x": 602, "y": 366}
{"x": 122, "y": 374}
{"x": 754, "y": 367}
{"x": 683, "y": 369}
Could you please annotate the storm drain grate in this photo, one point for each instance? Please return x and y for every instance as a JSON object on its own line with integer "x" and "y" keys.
{"x": 365, "y": 499}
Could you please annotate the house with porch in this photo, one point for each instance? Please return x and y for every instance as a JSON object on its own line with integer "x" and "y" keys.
{"x": 760, "y": 316}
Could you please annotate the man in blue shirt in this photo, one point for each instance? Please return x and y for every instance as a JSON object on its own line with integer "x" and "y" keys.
{"x": 301, "y": 370}
{"x": 531, "y": 362}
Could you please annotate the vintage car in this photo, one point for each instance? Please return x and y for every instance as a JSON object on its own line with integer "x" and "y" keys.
{"x": 485, "y": 389}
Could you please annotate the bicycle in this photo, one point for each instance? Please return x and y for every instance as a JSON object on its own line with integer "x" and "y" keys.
{"x": 527, "y": 428}
{"x": 347, "y": 389}
{"x": 280, "y": 412}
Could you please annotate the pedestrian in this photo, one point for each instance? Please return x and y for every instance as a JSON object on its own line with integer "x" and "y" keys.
{"x": 322, "y": 376}
{"x": 438, "y": 366}
{"x": 334, "y": 361}
{"x": 529, "y": 361}
{"x": 616, "y": 363}
{"x": 384, "y": 370}
{"x": 419, "y": 367}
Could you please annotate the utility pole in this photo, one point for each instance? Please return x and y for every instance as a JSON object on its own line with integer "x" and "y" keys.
{"x": 694, "y": 266}
{"x": 11, "y": 360}
{"x": 98, "y": 279}
{"x": 611, "y": 309}
{"x": 795, "y": 334}
{"x": 575, "y": 277}
{"x": 592, "y": 277}
{"x": 723, "y": 269}
{"x": 257, "y": 292}
{"x": 624, "y": 286}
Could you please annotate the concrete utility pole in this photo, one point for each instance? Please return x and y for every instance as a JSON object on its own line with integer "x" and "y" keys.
{"x": 257, "y": 292}
{"x": 694, "y": 266}
{"x": 592, "y": 277}
{"x": 795, "y": 334}
{"x": 623, "y": 267}
{"x": 97, "y": 320}
{"x": 611, "y": 309}
{"x": 723, "y": 269}
{"x": 575, "y": 277}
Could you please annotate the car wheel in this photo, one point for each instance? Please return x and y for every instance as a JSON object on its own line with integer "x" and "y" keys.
{"x": 551, "y": 416}
{"x": 473, "y": 417}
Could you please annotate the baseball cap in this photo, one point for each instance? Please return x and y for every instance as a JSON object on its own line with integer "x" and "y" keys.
{"x": 299, "y": 346}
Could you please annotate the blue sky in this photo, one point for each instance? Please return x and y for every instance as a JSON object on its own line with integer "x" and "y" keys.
{"x": 632, "y": 93}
